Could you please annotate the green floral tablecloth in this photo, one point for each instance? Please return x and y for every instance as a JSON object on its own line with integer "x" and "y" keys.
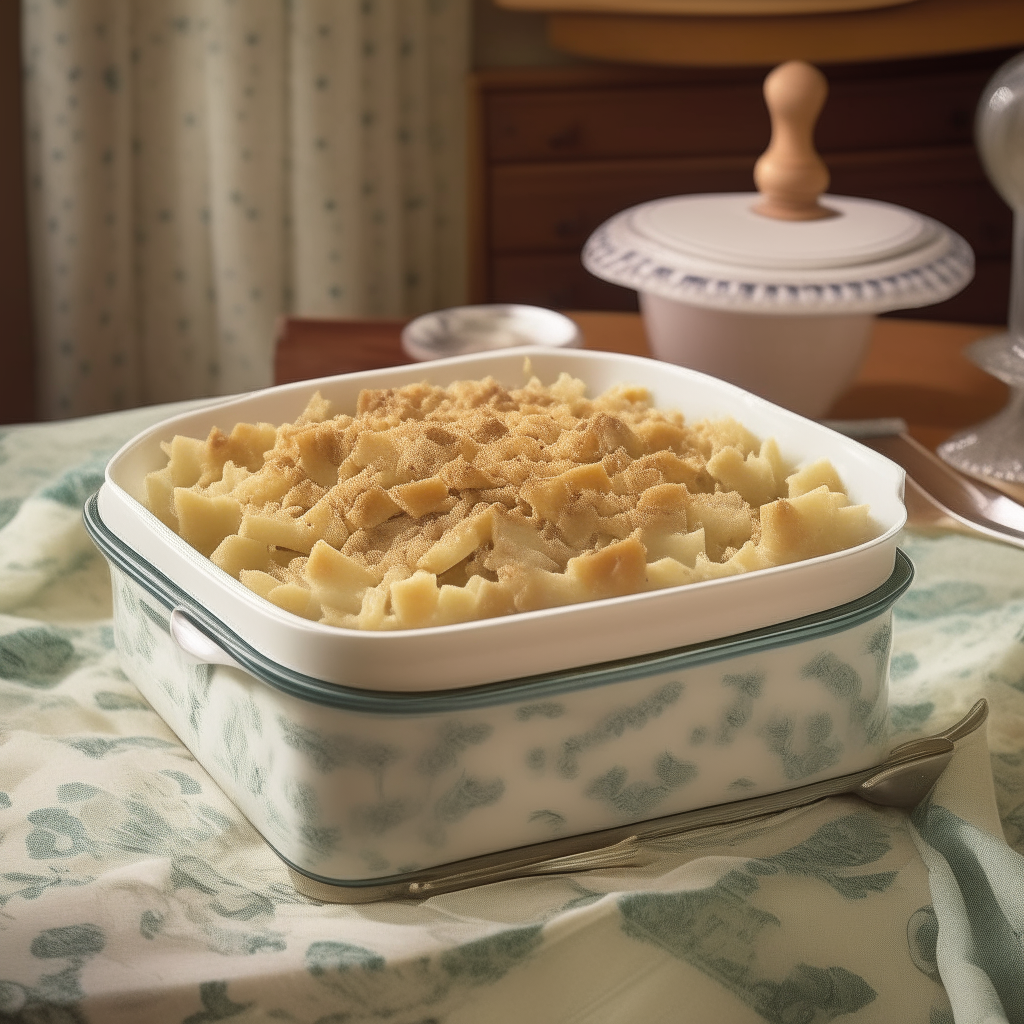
{"x": 131, "y": 889}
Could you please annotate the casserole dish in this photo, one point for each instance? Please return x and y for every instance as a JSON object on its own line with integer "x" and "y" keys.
{"x": 369, "y": 793}
{"x": 529, "y": 643}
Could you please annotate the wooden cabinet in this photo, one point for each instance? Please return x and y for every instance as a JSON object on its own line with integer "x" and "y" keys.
{"x": 558, "y": 150}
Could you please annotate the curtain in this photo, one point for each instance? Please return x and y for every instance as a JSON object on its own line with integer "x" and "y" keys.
{"x": 198, "y": 168}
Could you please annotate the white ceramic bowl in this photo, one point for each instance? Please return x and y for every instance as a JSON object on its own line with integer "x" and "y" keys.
{"x": 461, "y": 330}
{"x": 801, "y": 362}
{"x": 529, "y": 643}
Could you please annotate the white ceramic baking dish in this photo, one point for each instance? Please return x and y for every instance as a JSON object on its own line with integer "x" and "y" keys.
{"x": 370, "y": 794}
{"x": 529, "y": 643}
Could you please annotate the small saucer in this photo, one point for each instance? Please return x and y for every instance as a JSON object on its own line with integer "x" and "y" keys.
{"x": 463, "y": 329}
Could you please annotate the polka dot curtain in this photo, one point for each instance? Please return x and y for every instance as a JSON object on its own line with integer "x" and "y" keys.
{"x": 200, "y": 167}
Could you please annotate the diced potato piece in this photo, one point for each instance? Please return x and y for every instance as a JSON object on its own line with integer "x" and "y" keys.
{"x": 667, "y": 572}
{"x": 350, "y": 468}
{"x": 231, "y": 477}
{"x": 334, "y": 617}
{"x": 619, "y": 568}
{"x": 379, "y": 449}
{"x": 318, "y": 451}
{"x": 681, "y": 547}
{"x": 491, "y": 598}
{"x": 295, "y": 599}
{"x": 186, "y": 455}
{"x": 269, "y": 484}
{"x": 370, "y": 509}
{"x": 373, "y": 611}
{"x": 420, "y": 497}
{"x": 663, "y": 508}
{"x": 578, "y": 525}
{"x": 283, "y": 556}
{"x": 725, "y": 518}
{"x": 160, "y": 496}
{"x": 303, "y": 496}
{"x": 204, "y": 522}
{"x": 660, "y": 435}
{"x": 258, "y": 582}
{"x": 317, "y": 410}
{"x": 753, "y": 476}
{"x": 709, "y": 570}
{"x": 748, "y": 558}
{"x": 518, "y": 543}
{"x": 461, "y": 475}
{"x": 457, "y": 543}
{"x": 729, "y": 433}
{"x": 550, "y": 498}
{"x": 456, "y": 604}
{"x": 816, "y": 523}
{"x": 337, "y": 580}
{"x": 279, "y": 531}
{"x": 812, "y": 477}
{"x": 245, "y": 446}
{"x": 258, "y": 439}
{"x": 345, "y": 492}
{"x": 234, "y": 553}
{"x": 618, "y": 396}
{"x": 853, "y": 526}
{"x": 590, "y": 477}
{"x": 326, "y": 521}
{"x": 780, "y": 468}
{"x": 541, "y": 589}
{"x": 414, "y": 600}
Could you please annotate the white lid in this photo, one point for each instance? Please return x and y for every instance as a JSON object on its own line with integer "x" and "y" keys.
{"x": 871, "y": 258}
{"x": 725, "y": 228}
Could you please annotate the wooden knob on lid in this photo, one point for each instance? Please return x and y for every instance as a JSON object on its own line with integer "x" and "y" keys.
{"x": 789, "y": 174}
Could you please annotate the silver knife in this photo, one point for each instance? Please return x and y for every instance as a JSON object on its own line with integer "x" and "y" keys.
{"x": 974, "y": 504}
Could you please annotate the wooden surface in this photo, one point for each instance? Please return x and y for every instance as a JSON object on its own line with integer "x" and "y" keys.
{"x": 915, "y": 369}
{"x": 309, "y": 348}
{"x": 923, "y": 28}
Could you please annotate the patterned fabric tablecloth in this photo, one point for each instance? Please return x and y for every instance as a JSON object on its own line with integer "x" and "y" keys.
{"x": 132, "y": 889}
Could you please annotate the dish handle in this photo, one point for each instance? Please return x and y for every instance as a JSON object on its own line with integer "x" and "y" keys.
{"x": 194, "y": 643}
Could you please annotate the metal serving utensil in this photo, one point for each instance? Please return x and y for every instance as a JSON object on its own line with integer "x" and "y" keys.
{"x": 974, "y": 504}
{"x": 903, "y": 779}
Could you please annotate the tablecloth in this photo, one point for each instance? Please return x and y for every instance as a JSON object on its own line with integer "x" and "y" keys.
{"x": 131, "y": 889}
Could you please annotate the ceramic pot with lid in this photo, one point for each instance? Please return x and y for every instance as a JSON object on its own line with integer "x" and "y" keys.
{"x": 776, "y": 291}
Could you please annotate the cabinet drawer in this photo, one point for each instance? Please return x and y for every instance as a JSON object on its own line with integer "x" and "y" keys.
{"x": 557, "y": 206}
{"x": 555, "y": 280}
{"x": 881, "y": 110}
{"x": 596, "y": 124}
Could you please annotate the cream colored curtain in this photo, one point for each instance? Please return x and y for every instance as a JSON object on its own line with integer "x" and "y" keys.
{"x": 200, "y": 167}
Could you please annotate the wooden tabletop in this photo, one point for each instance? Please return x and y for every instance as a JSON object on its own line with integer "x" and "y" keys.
{"x": 915, "y": 369}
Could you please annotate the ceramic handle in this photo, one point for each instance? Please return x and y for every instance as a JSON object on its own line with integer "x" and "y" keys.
{"x": 196, "y": 644}
{"x": 790, "y": 175}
